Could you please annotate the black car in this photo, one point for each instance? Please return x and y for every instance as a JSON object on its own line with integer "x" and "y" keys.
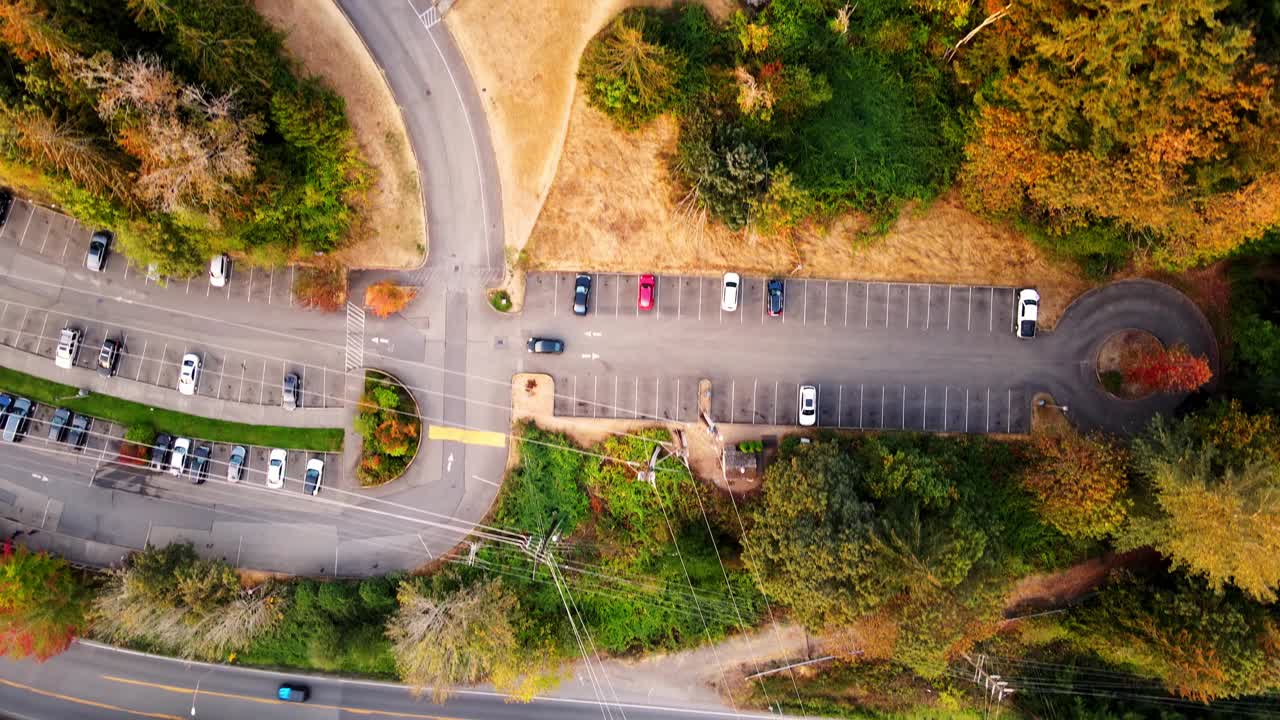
{"x": 292, "y": 692}
{"x": 200, "y": 464}
{"x": 545, "y": 345}
{"x": 58, "y": 425}
{"x": 776, "y": 290}
{"x": 16, "y": 421}
{"x": 109, "y": 357}
{"x": 160, "y": 451}
{"x": 79, "y": 434}
{"x": 6, "y": 203}
{"x": 582, "y": 294}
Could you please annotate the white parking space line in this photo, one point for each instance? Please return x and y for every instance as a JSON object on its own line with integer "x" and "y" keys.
{"x": 27, "y": 227}
{"x": 25, "y": 313}
{"x": 928, "y": 307}
{"x": 290, "y": 286}
{"x": 754, "y": 387}
{"x": 699, "y": 298}
{"x": 595, "y": 396}
{"x": 846, "y": 304}
{"x": 160, "y": 365}
{"x": 764, "y": 300}
{"x": 240, "y": 395}
{"x": 826, "y": 293}
{"x": 991, "y": 311}
{"x": 126, "y": 269}
{"x": 679, "y": 300}
{"x": 774, "y": 421}
{"x": 635, "y": 405}
{"x": 882, "y": 399}
{"x": 908, "y": 306}
{"x": 862, "y": 394}
{"x": 805, "y": 319}
{"x": 617, "y": 409}
{"x": 886, "y": 311}
{"x": 142, "y": 360}
{"x": 271, "y": 283}
{"x": 66, "y": 244}
{"x": 262, "y": 383}
{"x": 188, "y": 286}
{"x": 924, "y": 409}
{"x": 208, "y": 290}
{"x": 968, "y": 323}
{"x": 45, "y": 241}
{"x": 617, "y": 297}
{"x": 733, "y": 400}
{"x": 948, "y": 307}
{"x": 677, "y": 399}
{"x": 249, "y": 295}
{"x": 40, "y": 339}
{"x": 840, "y": 407}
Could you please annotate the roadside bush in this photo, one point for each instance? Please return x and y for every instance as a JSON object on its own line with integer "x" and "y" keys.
{"x": 390, "y": 429}
{"x": 386, "y": 298}
{"x": 628, "y": 72}
{"x": 500, "y": 300}
{"x": 321, "y": 288}
{"x": 42, "y": 603}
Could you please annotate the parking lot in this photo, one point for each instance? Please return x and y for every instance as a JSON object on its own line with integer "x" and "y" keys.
{"x": 154, "y": 358}
{"x": 849, "y": 396}
{"x": 62, "y": 239}
{"x": 808, "y": 302}
{"x": 105, "y": 438}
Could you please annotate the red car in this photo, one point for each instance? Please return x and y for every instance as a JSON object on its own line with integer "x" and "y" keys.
{"x": 644, "y": 298}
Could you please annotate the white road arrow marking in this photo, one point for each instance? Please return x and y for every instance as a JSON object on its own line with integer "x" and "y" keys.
{"x": 449, "y": 465}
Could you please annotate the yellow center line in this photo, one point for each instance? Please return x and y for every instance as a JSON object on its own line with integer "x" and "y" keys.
{"x": 270, "y": 701}
{"x": 90, "y": 703}
{"x": 470, "y": 437}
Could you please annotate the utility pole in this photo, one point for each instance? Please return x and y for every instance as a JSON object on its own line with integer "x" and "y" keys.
{"x": 996, "y": 687}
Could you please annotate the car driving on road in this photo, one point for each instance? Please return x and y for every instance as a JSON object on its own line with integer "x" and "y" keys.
{"x": 79, "y": 434}
{"x": 235, "y": 464}
{"x": 189, "y": 374}
{"x": 775, "y": 289}
{"x": 582, "y": 294}
{"x": 58, "y": 425}
{"x": 1028, "y": 313}
{"x": 808, "y": 405}
{"x": 220, "y": 270}
{"x": 645, "y": 291}
{"x": 315, "y": 475}
{"x": 17, "y": 420}
{"x": 292, "y": 692}
{"x": 729, "y": 298}
{"x": 545, "y": 345}
{"x": 178, "y": 457}
{"x": 95, "y": 259}
{"x": 109, "y": 357}
{"x": 64, "y": 356}
{"x": 275, "y": 468}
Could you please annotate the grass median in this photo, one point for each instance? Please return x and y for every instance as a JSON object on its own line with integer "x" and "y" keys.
{"x": 132, "y": 414}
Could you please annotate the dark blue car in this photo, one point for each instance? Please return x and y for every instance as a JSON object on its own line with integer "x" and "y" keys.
{"x": 775, "y": 290}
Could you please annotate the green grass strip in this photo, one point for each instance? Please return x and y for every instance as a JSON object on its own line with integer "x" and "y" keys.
{"x": 132, "y": 414}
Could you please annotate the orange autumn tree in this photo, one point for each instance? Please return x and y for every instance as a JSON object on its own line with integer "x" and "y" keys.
{"x": 1169, "y": 370}
{"x": 386, "y": 298}
{"x": 1080, "y": 484}
{"x": 42, "y": 605}
{"x": 1153, "y": 119}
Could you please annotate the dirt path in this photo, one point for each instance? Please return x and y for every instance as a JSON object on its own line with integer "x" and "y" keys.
{"x": 1040, "y": 593}
{"x": 389, "y": 232}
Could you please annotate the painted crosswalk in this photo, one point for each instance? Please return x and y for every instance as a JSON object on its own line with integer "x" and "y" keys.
{"x": 355, "y": 337}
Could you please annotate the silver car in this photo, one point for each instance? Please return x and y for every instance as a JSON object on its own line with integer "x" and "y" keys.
{"x": 95, "y": 259}
{"x": 290, "y": 394}
{"x": 235, "y": 464}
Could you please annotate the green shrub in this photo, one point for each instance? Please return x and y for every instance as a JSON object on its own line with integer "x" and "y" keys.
{"x": 500, "y": 300}
{"x": 390, "y": 430}
{"x": 628, "y": 72}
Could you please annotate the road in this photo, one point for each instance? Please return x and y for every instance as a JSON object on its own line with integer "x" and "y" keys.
{"x": 97, "y": 683}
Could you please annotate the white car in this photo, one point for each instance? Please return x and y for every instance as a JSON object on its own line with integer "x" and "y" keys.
{"x": 315, "y": 474}
{"x": 178, "y": 457}
{"x": 1028, "y": 312}
{"x": 64, "y": 356}
{"x": 275, "y": 469}
{"x": 235, "y": 464}
{"x": 732, "y": 283}
{"x": 808, "y": 405}
{"x": 189, "y": 375}
{"x": 220, "y": 270}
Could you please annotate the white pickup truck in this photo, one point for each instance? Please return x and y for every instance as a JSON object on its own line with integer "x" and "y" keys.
{"x": 68, "y": 348}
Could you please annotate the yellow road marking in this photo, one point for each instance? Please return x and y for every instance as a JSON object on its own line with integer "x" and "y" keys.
{"x": 90, "y": 703}
{"x": 471, "y": 437}
{"x": 270, "y": 701}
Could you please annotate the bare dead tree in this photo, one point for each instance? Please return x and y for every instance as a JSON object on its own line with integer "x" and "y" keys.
{"x": 993, "y": 17}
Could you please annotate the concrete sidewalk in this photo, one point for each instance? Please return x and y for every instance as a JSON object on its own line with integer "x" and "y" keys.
{"x": 169, "y": 398}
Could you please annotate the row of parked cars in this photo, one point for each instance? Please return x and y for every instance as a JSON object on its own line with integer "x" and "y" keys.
{"x": 95, "y": 258}
{"x": 64, "y": 426}
{"x": 176, "y": 457}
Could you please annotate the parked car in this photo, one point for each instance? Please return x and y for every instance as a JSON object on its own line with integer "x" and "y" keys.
{"x": 189, "y": 374}
{"x": 275, "y": 468}
{"x": 160, "y": 451}
{"x": 200, "y": 464}
{"x": 808, "y": 405}
{"x": 220, "y": 270}
{"x": 109, "y": 357}
{"x": 17, "y": 420}
{"x": 58, "y": 425}
{"x": 79, "y": 434}
{"x": 1028, "y": 312}
{"x": 99, "y": 248}
{"x": 292, "y": 692}
{"x": 64, "y": 356}
{"x": 729, "y": 299}
{"x": 582, "y": 294}
{"x": 545, "y": 345}
{"x": 290, "y": 394}
{"x": 314, "y": 476}
{"x": 235, "y": 464}
{"x": 6, "y": 402}
{"x": 178, "y": 456}
{"x": 645, "y": 290}
{"x": 776, "y": 289}
{"x": 6, "y": 204}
